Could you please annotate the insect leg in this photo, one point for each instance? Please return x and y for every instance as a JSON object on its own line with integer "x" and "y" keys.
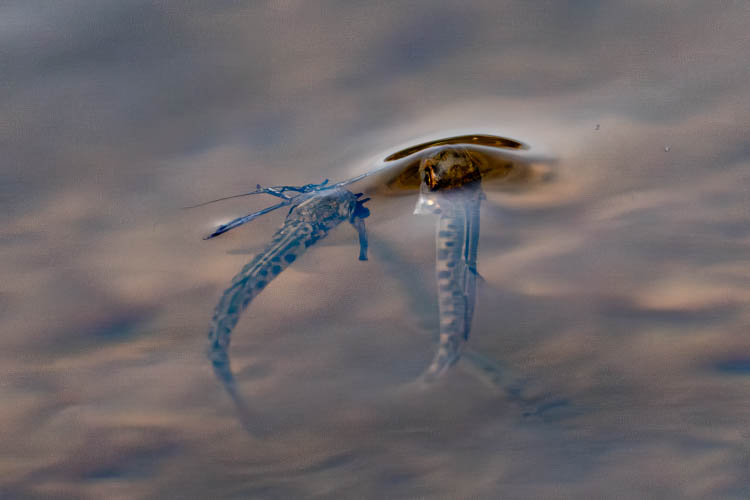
{"x": 359, "y": 225}
{"x": 277, "y": 191}
{"x": 244, "y": 219}
{"x": 358, "y": 221}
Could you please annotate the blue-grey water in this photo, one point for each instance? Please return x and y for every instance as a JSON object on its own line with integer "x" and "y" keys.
{"x": 620, "y": 286}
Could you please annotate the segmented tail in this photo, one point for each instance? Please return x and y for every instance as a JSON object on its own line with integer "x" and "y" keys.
{"x": 289, "y": 242}
{"x": 456, "y": 267}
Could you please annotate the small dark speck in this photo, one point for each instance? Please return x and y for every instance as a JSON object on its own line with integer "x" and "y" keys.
{"x": 290, "y": 257}
{"x": 260, "y": 284}
{"x": 276, "y": 269}
{"x": 597, "y": 127}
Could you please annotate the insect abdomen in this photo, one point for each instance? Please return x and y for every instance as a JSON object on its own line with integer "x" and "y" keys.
{"x": 457, "y": 240}
{"x": 287, "y": 245}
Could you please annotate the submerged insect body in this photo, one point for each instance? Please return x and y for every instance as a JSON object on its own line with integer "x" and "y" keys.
{"x": 451, "y": 188}
{"x": 310, "y": 219}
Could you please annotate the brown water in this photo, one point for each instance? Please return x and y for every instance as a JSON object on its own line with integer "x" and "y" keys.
{"x": 621, "y": 286}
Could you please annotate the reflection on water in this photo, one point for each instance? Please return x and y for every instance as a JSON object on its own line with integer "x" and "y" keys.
{"x": 619, "y": 285}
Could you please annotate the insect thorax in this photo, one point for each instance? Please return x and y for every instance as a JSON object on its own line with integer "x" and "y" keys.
{"x": 326, "y": 209}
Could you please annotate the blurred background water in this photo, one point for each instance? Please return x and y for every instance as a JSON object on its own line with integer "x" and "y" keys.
{"x": 622, "y": 286}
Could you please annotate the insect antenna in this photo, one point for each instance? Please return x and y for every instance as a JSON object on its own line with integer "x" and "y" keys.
{"x": 277, "y": 191}
{"x": 259, "y": 190}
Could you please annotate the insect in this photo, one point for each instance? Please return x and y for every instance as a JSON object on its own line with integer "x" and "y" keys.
{"x": 451, "y": 188}
{"x": 448, "y": 175}
{"x": 315, "y": 210}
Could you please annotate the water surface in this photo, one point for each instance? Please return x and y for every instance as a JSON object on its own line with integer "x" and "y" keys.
{"x": 621, "y": 286}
